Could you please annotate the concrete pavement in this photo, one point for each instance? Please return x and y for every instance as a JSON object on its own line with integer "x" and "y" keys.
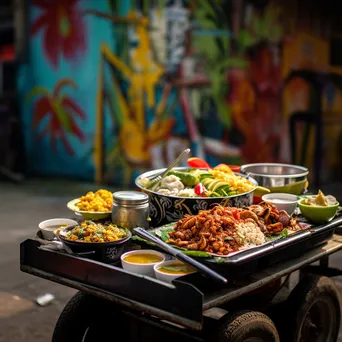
{"x": 22, "y": 207}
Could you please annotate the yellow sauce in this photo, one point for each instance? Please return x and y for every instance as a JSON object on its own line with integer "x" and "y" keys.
{"x": 176, "y": 269}
{"x": 143, "y": 258}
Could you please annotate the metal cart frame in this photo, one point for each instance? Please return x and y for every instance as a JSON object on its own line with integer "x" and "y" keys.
{"x": 186, "y": 302}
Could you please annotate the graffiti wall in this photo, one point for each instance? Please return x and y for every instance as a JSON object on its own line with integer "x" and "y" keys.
{"x": 113, "y": 88}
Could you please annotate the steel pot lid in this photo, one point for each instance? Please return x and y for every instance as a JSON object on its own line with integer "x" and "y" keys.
{"x": 130, "y": 197}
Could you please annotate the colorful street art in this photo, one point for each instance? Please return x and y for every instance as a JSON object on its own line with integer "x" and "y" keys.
{"x": 63, "y": 26}
{"x": 147, "y": 79}
{"x": 62, "y": 112}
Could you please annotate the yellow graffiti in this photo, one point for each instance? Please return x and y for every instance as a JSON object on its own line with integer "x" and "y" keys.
{"x": 142, "y": 75}
{"x": 147, "y": 71}
{"x": 245, "y": 102}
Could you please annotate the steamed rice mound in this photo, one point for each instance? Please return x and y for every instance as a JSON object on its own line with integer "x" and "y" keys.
{"x": 250, "y": 234}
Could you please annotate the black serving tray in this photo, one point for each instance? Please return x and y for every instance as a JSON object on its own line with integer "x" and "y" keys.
{"x": 291, "y": 247}
{"x": 251, "y": 260}
{"x": 303, "y": 240}
{"x": 180, "y": 302}
{"x": 183, "y": 302}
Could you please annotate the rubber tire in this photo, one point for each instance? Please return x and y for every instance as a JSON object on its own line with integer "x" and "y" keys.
{"x": 85, "y": 311}
{"x": 302, "y": 297}
{"x": 245, "y": 324}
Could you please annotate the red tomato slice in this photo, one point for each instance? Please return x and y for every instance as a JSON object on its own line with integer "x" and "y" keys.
{"x": 198, "y": 163}
{"x": 235, "y": 168}
{"x": 236, "y": 214}
{"x": 200, "y": 189}
{"x": 256, "y": 199}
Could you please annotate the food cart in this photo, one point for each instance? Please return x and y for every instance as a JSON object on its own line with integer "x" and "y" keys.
{"x": 113, "y": 304}
{"x": 255, "y": 304}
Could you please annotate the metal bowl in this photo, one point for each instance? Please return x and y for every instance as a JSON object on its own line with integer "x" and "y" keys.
{"x": 167, "y": 208}
{"x": 285, "y": 178}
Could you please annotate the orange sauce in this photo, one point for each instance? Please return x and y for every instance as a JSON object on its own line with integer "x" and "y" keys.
{"x": 143, "y": 258}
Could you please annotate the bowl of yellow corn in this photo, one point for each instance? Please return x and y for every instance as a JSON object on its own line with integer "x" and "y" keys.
{"x": 93, "y": 205}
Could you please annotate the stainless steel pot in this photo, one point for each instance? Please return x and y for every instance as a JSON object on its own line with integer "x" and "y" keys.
{"x": 278, "y": 177}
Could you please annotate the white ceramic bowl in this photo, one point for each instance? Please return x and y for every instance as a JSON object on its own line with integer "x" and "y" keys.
{"x": 167, "y": 277}
{"x": 146, "y": 269}
{"x": 48, "y": 227}
{"x": 282, "y": 201}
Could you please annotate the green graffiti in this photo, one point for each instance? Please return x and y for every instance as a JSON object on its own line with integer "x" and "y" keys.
{"x": 215, "y": 49}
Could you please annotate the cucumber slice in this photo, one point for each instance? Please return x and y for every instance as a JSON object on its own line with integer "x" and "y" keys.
{"x": 213, "y": 184}
{"x": 223, "y": 190}
{"x": 205, "y": 176}
{"x": 219, "y": 185}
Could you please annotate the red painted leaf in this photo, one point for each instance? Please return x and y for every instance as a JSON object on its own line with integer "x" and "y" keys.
{"x": 41, "y": 108}
{"x": 76, "y": 130}
{"x": 55, "y": 126}
{"x": 66, "y": 144}
{"x": 52, "y": 40}
{"x": 74, "y": 44}
{"x": 70, "y": 44}
{"x": 55, "y": 130}
{"x": 68, "y": 103}
{"x": 81, "y": 33}
{"x": 38, "y": 24}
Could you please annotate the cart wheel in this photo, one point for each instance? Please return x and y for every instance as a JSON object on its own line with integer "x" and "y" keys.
{"x": 87, "y": 318}
{"x": 247, "y": 326}
{"x": 314, "y": 308}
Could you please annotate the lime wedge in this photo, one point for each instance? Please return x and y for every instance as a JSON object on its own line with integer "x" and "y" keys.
{"x": 260, "y": 191}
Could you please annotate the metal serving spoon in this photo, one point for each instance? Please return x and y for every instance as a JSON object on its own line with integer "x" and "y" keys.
{"x": 153, "y": 182}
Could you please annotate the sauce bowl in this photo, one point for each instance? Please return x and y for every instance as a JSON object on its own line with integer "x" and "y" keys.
{"x": 168, "y": 277}
{"x": 141, "y": 268}
{"x": 287, "y": 202}
{"x": 48, "y": 227}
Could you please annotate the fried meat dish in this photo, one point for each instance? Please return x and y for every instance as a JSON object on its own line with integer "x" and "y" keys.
{"x": 223, "y": 230}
